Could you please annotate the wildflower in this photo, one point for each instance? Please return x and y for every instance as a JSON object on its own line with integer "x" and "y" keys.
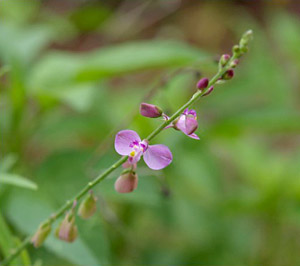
{"x": 41, "y": 234}
{"x": 150, "y": 110}
{"x": 128, "y": 142}
{"x": 187, "y": 123}
{"x": 127, "y": 182}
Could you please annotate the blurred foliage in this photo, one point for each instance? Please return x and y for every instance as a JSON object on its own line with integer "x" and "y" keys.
{"x": 74, "y": 72}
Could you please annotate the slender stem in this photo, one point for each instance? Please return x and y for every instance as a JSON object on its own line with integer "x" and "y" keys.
{"x": 118, "y": 163}
{"x": 109, "y": 170}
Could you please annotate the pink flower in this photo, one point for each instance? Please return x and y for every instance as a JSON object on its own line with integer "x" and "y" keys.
{"x": 128, "y": 142}
{"x": 186, "y": 123}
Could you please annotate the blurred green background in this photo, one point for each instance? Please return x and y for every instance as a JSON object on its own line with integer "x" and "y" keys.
{"x": 73, "y": 73}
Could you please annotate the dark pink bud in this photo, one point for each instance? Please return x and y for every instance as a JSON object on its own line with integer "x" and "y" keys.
{"x": 126, "y": 183}
{"x": 150, "y": 110}
{"x": 202, "y": 83}
{"x": 228, "y": 74}
{"x": 208, "y": 91}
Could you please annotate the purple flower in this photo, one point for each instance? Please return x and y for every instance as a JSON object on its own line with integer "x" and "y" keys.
{"x": 187, "y": 123}
{"x": 128, "y": 142}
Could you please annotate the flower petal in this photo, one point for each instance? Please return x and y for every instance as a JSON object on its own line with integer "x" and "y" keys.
{"x": 158, "y": 156}
{"x": 191, "y": 124}
{"x": 187, "y": 124}
{"x": 123, "y": 139}
{"x": 193, "y": 136}
{"x": 180, "y": 123}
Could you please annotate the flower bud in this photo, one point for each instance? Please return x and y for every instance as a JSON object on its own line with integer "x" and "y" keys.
{"x": 234, "y": 63}
{"x": 248, "y": 35}
{"x": 202, "y": 83}
{"x": 224, "y": 59}
{"x": 150, "y": 110}
{"x": 127, "y": 182}
{"x": 41, "y": 234}
{"x": 88, "y": 206}
{"x": 67, "y": 230}
{"x": 208, "y": 91}
{"x": 236, "y": 50}
{"x": 228, "y": 74}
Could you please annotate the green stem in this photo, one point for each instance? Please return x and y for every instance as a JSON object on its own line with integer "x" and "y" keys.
{"x": 109, "y": 170}
{"x": 192, "y": 100}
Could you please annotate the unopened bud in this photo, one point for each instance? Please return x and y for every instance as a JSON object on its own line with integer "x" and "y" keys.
{"x": 202, "y": 83}
{"x": 88, "y": 206}
{"x": 246, "y": 38}
{"x": 234, "y": 63}
{"x": 150, "y": 110}
{"x": 208, "y": 91}
{"x": 244, "y": 49}
{"x": 67, "y": 230}
{"x": 236, "y": 50}
{"x": 41, "y": 234}
{"x": 224, "y": 59}
{"x": 127, "y": 182}
{"x": 228, "y": 74}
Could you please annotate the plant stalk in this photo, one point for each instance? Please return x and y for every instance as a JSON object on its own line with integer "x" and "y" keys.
{"x": 196, "y": 96}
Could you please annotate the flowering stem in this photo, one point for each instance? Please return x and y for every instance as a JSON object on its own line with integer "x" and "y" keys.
{"x": 222, "y": 70}
{"x": 192, "y": 100}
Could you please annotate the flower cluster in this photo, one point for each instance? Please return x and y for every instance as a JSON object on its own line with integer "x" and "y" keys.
{"x": 158, "y": 156}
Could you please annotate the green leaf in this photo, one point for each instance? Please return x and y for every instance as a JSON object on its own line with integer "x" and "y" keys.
{"x": 59, "y": 69}
{"x": 23, "y": 44}
{"x": 16, "y": 180}
{"x": 8, "y": 162}
{"x": 6, "y": 240}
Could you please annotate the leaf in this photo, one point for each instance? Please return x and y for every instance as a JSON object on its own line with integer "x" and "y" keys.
{"x": 8, "y": 162}
{"x": 58, "y": 69}
{"x": 7, "y": 240}
{"x": 16, "y": 180}
{"x": 23, "y": 44}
